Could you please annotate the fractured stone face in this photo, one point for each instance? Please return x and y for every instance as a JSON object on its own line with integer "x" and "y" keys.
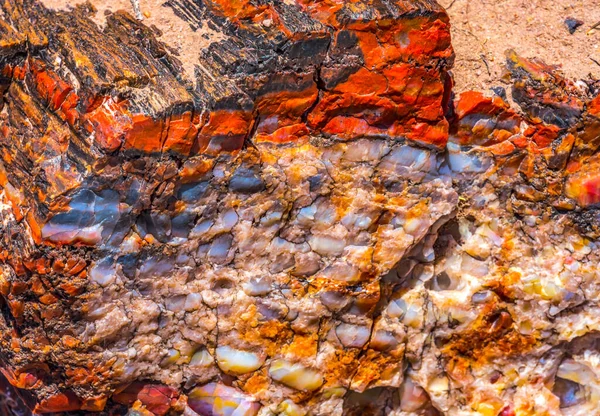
{"x": 305, "y": 225}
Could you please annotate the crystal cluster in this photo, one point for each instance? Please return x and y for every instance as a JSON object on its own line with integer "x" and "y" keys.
{"x": 308, "y": 224}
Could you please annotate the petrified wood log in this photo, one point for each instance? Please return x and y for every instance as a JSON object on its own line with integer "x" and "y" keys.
{"x": 305, "y": 223}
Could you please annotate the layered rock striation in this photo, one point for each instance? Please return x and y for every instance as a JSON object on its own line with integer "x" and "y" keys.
{"x": 306, "y": 223}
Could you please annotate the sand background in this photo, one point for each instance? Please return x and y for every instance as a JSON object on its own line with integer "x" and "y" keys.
{"x": 483, "y": 30}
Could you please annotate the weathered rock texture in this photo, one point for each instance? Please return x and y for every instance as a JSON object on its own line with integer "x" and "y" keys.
{"x": 307, "y": 224}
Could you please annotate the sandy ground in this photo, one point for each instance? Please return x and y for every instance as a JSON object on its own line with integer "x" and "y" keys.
{"x": 483, "y": 30}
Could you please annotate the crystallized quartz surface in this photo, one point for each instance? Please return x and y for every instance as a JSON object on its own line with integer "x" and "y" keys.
{"x": 308, "y": 223}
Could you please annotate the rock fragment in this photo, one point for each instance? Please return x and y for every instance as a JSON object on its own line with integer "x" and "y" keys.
{"x": 309, "y": 226}
{"x": 573, "y": 24}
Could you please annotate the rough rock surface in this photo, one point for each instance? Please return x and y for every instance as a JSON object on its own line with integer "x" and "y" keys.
{"x": 307, "y": 224}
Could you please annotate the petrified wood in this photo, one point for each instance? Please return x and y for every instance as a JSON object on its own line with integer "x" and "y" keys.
{"x": 306, "y": 223}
